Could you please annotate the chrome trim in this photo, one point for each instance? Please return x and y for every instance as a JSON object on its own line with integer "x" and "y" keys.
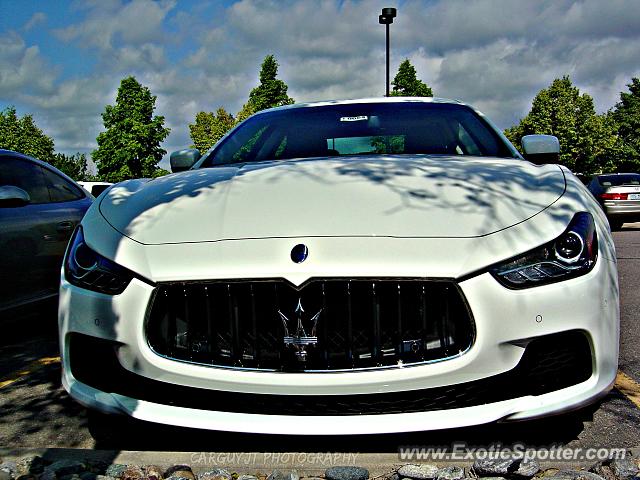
{"x": 453, "y": 282}
{"x": 342, "y": 371}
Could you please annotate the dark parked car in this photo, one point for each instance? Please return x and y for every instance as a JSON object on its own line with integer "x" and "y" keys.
{"x": 39, "y": 209}
{"x": 619, "y": 195}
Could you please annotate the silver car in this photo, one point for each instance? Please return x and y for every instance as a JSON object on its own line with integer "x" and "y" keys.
{"x": 39, "y": 209}
{"x": 619, "y": 195}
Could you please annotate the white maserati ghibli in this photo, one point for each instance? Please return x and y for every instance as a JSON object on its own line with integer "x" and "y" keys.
{"x": 351, "y": 267}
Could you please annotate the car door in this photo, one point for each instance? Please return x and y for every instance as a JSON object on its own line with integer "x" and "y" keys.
{"x": 34, "y": 236}
{"x": 68, "y": 204}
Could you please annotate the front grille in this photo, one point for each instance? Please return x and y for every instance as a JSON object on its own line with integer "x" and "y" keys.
{"x": 549, "y": 363}
{"x": 324, "y": 325}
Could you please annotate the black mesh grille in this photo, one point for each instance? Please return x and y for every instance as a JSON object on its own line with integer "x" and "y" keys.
{"x": 548, "y": 364}
{"x": 324, "y": 325}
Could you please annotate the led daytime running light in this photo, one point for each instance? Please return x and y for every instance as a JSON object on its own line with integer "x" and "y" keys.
{"x": 87, "y": 269}
{"x": 570, "y": 255}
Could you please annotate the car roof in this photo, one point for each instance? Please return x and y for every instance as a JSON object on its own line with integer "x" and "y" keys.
{"x": 13, "y": 153}
{"x": 4, "y": 152}
{"x": 616, "y": 173}
{"x": 370, "y": 100}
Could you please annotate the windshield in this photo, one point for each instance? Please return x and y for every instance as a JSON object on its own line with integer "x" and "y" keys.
{"x": 360, "y": 129}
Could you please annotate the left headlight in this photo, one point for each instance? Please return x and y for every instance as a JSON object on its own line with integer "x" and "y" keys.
{"x": 572, "y": 254}
{"x": 87, "y": 269}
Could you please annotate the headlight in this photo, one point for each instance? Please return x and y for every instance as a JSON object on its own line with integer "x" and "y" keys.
{"x": 570, "y": 255}
{"x": 86, "y": 269}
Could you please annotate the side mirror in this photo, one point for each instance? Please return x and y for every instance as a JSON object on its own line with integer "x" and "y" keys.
{"x": 184, "y": 159}
{"x": 540, "y": 149}
{"x": 11, "y": 196}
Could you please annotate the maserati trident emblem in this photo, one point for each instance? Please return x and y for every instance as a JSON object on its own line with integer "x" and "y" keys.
{"x": 300, "y": 340}
{"x": 299, "y": 253}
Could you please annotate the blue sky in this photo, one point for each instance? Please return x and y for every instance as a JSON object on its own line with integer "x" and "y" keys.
{"x": 62, "y": 61}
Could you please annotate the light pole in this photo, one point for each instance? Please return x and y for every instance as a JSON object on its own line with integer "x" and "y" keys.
{"x": 388, "y": 14}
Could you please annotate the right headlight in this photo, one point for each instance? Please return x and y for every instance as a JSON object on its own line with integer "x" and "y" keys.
{"x": 87, "y": 269}
{"x": 572, "y": 254}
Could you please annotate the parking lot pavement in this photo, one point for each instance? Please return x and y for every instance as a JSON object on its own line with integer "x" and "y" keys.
{"x": 628, "y": 253}
{"x": 36, "y": 412}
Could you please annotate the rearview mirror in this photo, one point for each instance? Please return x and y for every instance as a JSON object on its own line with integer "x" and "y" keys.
{"x": 540, "y": 149}
{"x": 11, "y": 196}
{"x": 182, "y": 160}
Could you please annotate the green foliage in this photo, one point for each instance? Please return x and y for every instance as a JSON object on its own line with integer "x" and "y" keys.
{"x": 76, "y": 166}
{"x": 160, "y": 172}
{"x": 271, "y": 92}
{"x": 587, "y": 140}
{"x": 130, "y": 145}
{"x": 390, "y": 144}
{"x": 22, "y": 135}
{"x": 242, "y": 154}
{"x": 626, "y": 115}
{"x": 246, "y": 111}
{"x": 605, "y": 144}
{"x": 210, "y": 127}
{"x": 407, "y": 84}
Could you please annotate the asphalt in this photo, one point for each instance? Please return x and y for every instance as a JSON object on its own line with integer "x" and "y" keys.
{"x": 628, "y": 253}
{"x": 35, "y": 412}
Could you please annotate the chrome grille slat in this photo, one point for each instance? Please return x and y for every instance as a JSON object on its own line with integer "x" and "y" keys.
{"x": 187, "y": 321}
{"x": 254, "y": 326}
{"x": 323, "y": 334}
{"x": 377, "y": 345}
{"x": 398, "y": 333}
{"x": 349, "y": 351}
{"x": 422, "y": 308}
{"x": 172, "y": 333}
{"x": 211, "y": 331}
{"x": 363, "y": 323}
{"x": 445, "y": 323}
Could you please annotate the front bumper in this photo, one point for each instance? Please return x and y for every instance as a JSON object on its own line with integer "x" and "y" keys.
{"x": 505, "y": 321}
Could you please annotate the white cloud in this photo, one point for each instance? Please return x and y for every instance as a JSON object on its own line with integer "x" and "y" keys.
{"x": 22, "y": 68}
{"x": 307, "y": 29}
{"x": 36, "y": 19}
{"x": 72, "y": 112}
{"x": 143, "y": 57}
{"x": 128, "y": 37}
{"x": 500, "y": 78}
{"x": 134, "y": 23}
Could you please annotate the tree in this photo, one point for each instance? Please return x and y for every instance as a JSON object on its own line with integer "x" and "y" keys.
{"x": 586, "y": 139}
{"x": 607, "y": 146}
{"x": 22, "y": 135}
{"x": 407, "y": 84}
{"x": 246, "y": 111}
{"x": 76, "y": 166}
{"x": 626, "y": 115}
{"x": 130, "y": 145}
{"x": 270, "y": 93}
{"x": 389, "y": 144}
{"x": 210, "y": 127}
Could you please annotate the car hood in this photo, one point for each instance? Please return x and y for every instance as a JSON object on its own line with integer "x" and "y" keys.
{"x": 385, "y": 196}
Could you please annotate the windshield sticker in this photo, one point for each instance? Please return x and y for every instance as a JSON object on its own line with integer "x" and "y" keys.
{"x": 354, "y": 119}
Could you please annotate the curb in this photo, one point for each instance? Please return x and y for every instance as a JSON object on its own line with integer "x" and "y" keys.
{"x": 306, "y": 464}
